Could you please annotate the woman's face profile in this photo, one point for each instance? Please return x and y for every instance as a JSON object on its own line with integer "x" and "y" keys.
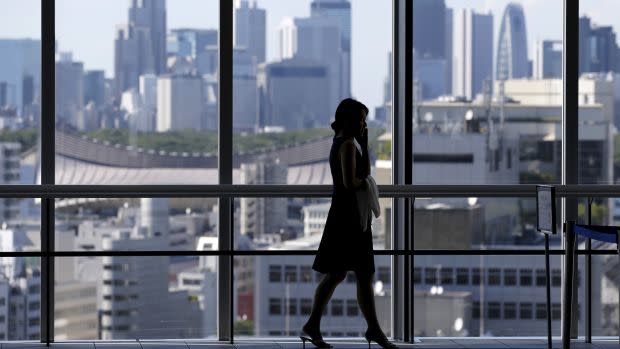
{"x": 355, "y": 126}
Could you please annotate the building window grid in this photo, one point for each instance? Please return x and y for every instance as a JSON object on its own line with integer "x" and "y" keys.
{"x": 556, "y": 281}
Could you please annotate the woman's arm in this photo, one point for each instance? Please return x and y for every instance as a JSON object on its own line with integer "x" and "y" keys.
{"x": 347, "y": 162}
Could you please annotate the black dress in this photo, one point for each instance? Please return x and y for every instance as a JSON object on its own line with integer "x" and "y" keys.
{"x": 344, "y": 245}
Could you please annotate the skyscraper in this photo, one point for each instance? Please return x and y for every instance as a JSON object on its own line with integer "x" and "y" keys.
{"x": 548, "y": 62}
{"x": 473, "y": 52}
{"x": 69, "y": 91}
{"x": 140, "y": 45}
{"x": 190, "y": 42}
{"x": 603, "y": 50}
{"x": 598, "y": 49}
{"x": 151, "y": 14}
{"x": 250, "y": 29}
{"x": 429, "y": 28}
{"x": 131, "y": 57}
{"x": 317, "y": 39}
{"x": 340, "y": 10}
{"x": 94, "y": 87}
{"x": 21, "y": 58}
{"x": 294, "y": 93}
{"x": 512, "y": 62}
{"x": 179, "y": 103}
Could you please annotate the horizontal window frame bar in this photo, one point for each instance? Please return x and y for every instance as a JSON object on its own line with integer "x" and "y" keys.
{"x": 242, "y": 190}
{"x": 498, "y": 252}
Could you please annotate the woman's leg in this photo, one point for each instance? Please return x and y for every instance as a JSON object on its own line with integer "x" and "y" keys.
{"x": 366, "y": 300}
{"x": 323, "y": 293}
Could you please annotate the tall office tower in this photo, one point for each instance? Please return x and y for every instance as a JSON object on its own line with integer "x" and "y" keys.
{"x": 598, "y": 49}
{"x": 21, "y": 60}
{"x": 429, "y": 77}
{"x": 473, "y": 52}
{"x": 28, "y": 90}
{"x": 287, "y": 35}
{"x": 449, "y": 49}
{"x": 94, "y": 87}
{"x": 131, "y": 58}
{"x": 603, "y": 50}
{"x": 69, "y": 91}
{"x": 245, "y": 93}
{"x": 429, "y": 28}
{"x": 340, "y": 10}
{"x": 24, "y": 300}
{"x": 190, "y": 42}
{"x": 260, "y": 216}
{"x": 512, "y": 62}
{"x": 179, "y": 103}
{"x": 316, "y": 39}
{"x": 9, "y": 174}
{"x": 250, "y": 29}
{"x": 294, "y": 93}
{"x": 548, "y": 61}
{"x": 155, "y": 216}
{"x": 151, "y": 14}
{"x": 584, "y": 46}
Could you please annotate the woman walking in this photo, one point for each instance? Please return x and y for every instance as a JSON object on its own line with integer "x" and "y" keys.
{"x": 345, "y": 245}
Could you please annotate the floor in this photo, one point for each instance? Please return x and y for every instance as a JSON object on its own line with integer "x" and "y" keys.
{"x": 287, "y": 343}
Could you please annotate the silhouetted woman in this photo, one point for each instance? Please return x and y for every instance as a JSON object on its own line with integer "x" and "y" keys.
{"x": 345, "y": 246}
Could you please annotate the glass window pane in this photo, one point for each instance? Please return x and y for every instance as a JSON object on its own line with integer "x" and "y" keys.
{"x": 293, "y": 63}
{"x": 136, "y": 224}
{"x": 266, "y": 308}
{"x": 487, "y": 92}
{"x": 119, "y": 297}
{"x": 136, "y": 92}
{"x": 489, "y": 310}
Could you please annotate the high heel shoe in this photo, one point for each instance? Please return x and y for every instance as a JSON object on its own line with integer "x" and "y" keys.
{"x": 318, "y": 342}
{"x": 380, "y": 338}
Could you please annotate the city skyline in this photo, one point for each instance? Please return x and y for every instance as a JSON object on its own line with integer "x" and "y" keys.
{"x": 367, "y": 84}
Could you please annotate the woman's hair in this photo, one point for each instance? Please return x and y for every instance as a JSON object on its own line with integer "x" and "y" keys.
{"x": 347, "y": 109}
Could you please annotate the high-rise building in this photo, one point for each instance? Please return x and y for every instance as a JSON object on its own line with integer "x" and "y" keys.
{"x": 9, "y": 174}
{"x": 260, "y": 216}
{"x": 603, "y": 50}
{"x": 429, "y": 28}
{"x": 317, "y": 39}
{"x": 340, "y": 10}
{"x": 245, "y": 93}
{"x": 548, "y": 62}
{"x": 94, "y": 87}
{"x": 449, "y": 39}
{"x": 131, "y": 58}
{"x": 151, "y": 14}
{"x": 21, "y": 66}
{"x": 69, "y": 92}
{"x": 190, "y": 42}
{"x": 250, "y": 29}
{"x": 294, "y": 94}
{"x": 140, "y": 45}
{"x": 179, "y": 103}
{"x": 473, "y": 52}
{"x": 512, "y": 61}
{"x": 584, "y": 46}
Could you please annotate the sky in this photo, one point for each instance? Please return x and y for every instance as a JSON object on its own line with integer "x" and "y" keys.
{"x": 86, "y": 28}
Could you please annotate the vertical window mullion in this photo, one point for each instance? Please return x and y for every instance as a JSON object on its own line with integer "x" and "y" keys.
{"x": 570, "y": 124}
{"x": 47, "y": 150}
{"x": 225, "y": 157}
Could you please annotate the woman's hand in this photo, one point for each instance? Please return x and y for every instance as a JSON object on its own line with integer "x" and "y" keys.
{"x": 363, "y": 138}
